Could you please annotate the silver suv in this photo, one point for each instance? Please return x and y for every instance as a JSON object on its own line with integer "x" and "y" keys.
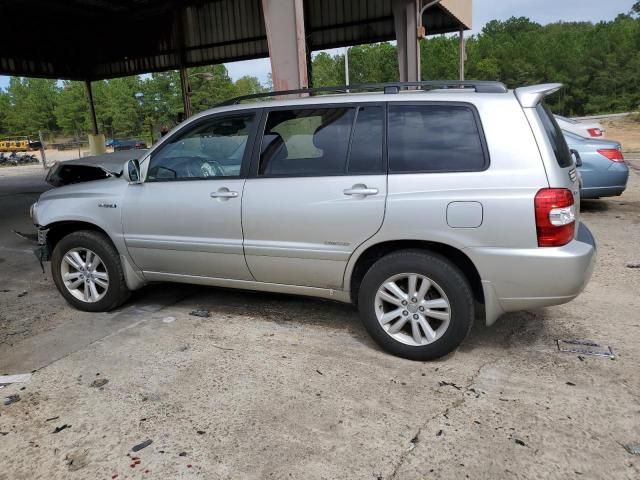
{"x": 424, "y": 206}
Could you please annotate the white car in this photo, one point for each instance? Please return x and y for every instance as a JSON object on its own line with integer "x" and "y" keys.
{"x": 586, "y": 129}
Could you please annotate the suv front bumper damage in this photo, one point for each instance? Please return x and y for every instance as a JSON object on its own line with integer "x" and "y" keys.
{"x": 43, "y": 251}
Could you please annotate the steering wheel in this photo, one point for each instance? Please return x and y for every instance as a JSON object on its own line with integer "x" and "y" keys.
{"x": 211, "y": 168}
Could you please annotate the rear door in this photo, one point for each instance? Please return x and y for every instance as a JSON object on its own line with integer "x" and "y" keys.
{"x": 316, "y": 192}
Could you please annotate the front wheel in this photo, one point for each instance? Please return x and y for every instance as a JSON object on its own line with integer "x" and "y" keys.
{"x": 416, "y": 304}
{"x": 87, "y": 271}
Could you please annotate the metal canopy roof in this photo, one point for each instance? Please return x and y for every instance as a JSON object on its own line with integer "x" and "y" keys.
{"x": 97, "y": 39}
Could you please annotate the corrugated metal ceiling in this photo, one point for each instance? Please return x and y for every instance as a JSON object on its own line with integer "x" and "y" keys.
{"x": 95, "y": 39}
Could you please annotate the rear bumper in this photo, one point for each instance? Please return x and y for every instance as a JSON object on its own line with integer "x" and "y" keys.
{"x": 609, "y": 183}
{"x": 519, "y": 279}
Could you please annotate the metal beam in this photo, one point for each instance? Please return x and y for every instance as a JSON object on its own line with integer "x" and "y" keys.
{"x": 186, "y": 92}
{"x": 92, "y": 108}
{"x": 405, "y": 17}
{"x": 284, "y": 23}
{"x": 461, "y": 51}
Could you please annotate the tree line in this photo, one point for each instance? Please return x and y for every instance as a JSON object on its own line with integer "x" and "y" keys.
{"x": 598, "y": 63}
{"x": 136, "y": 106}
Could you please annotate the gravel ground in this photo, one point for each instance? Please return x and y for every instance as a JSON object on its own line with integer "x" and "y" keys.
{"x": 273, "y": 386}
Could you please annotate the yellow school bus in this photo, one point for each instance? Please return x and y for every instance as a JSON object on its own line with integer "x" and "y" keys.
{"x": 17, "y": 144}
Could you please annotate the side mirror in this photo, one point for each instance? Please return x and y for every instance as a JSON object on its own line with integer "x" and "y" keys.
{"x": 131, "y": 171}
{"x": 576, "y": 157}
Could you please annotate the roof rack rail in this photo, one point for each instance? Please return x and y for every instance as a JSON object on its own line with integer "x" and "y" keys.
{"x": 480, "y": 86}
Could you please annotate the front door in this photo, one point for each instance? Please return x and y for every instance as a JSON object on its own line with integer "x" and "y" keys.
{"x": 316, "y": 192}
{"x": 185, "y": 219}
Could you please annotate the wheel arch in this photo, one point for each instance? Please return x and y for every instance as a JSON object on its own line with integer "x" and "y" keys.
{"x": 56, "y": 231}
{"x": 374, "y": 252}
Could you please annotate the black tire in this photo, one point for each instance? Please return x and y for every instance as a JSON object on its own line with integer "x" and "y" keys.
{"x": 437, "y": 268}
{"x": 116, "y": 293}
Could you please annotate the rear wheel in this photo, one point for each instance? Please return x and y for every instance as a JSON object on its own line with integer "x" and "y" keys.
{"x": 416, "y": 304}
{"x": 87, "y": 272}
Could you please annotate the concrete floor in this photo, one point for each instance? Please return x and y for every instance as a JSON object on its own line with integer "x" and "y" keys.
{"x": 273, "y": 386}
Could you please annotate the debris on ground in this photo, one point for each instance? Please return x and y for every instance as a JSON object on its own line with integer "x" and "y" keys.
{"x": 77, "y": 460}
{"x": 99, "y": 382}
{"x": 182, "y": 454}
{"x": 632, "y": 448}
{"x": 11, "y": 399}
{"x": 571, "y": 384}
{"x": 51, "y": 419}
{"x": 169, "y": 319}
{"x": 59, "y": 429}
{"x": 22, "y": 294}
{"x": 201, "y": 432}
{"x": 140, "y": 446}
{"x": 200, "y": 313}
{"x": 633, "y": 265}
{"x": 18, "y": 378}
{"x": 520, "y": 442}
{"x": 585, "y": 347}
{"x": 318, "y": 371}
{"x": 449, "y": 384}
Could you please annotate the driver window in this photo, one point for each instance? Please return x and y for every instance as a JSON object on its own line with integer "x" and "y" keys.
{"x": 213, "y": 148}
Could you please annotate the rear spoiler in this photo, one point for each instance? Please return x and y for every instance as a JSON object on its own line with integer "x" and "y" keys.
{"x": 531, "y": 96}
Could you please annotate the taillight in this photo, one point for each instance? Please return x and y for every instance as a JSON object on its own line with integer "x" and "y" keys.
{"x": 594, "y": 132}
{"x": 612, "y": 154}
{"x": 555, "y": 217}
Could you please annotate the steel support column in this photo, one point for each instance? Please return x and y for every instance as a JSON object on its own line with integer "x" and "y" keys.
{"x": 284, "y": 22}
{"x": 92, "y": 108}
{"x": 96, "y": 140}
{"x": 186, "y": 92}
{"x": 405, "y": 15}
{"x": 461, "y": 52}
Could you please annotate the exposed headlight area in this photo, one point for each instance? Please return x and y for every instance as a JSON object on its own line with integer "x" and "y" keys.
{"x": 33, "y": 212}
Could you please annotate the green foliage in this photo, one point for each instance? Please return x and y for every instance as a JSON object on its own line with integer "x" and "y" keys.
{"x": 4, "y": 109}
{"x": 31, "y": 105}
{"x": 599, "y": 64}
{"x": 71, "y": 111}
{"x": 125, "y": 107}
{"x": 367, "y": 64}
{"x": 248, "y": 86}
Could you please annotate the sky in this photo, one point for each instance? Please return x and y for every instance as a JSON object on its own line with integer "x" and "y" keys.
{"x": 541, "y": 11}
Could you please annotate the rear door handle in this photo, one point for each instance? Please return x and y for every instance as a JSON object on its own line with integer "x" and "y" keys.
{"x": 224, "y": 193}
{"x": 360, "y": 190}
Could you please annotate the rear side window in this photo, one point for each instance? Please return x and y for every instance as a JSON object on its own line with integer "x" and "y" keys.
{"x": 434, "y": 138}
{"x": 306, "y": 142}
{"x": 555, "y": 136}
{"x": 366, "y": 155}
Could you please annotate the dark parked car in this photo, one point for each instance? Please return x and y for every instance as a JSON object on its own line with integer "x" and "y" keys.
{"x": 601, "y": 165}
{"x": 119, "y": 145}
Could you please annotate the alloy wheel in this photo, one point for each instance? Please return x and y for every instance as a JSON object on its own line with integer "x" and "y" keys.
{"x": 412, "y": 309}
{"x": 84, "y": 275}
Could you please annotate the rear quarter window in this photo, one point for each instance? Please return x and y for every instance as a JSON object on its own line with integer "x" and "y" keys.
{"x": 555, "y": 136}
{"x": 435, "y": 138}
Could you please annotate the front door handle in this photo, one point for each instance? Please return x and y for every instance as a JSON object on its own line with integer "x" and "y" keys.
{"x": 224, "y": 193}
{"x": 360, "y": 189}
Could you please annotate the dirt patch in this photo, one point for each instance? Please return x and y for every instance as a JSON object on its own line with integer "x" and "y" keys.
{"x": 625, "y": 130}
